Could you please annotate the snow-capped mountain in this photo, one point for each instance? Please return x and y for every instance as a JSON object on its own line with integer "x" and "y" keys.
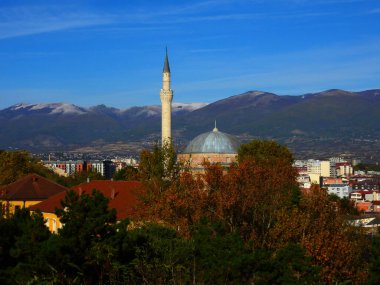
{"x": 71, "y": 109}
{"x": 39, "y": 126}
{"x": 49, "y": 108}
{"x": 329, "y": 114}
{"x": 177, "y": 107}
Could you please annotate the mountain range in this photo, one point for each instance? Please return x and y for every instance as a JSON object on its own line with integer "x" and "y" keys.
{"x": 333, "y": 114}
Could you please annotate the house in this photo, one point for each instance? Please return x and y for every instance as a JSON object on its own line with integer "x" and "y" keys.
{"x": 303, "y": 181}
{"x": 326, "y": 181}
{"x": 363, "y": 206}
{"x": 370, "y": 224}
{"x": 27, "y": 191}
{"x": 376, "y": 206}
{"x": 368, "y": 184}
{"x": 361, "y": 195}
{"x": 122, "y": 197}
{"x": 343, "y": 169}
{"x": 340, "y": 190}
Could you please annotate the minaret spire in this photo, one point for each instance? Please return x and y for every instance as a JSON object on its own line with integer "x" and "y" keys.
{"x": 166, "y": 96}
{"x": 166, "y": 63}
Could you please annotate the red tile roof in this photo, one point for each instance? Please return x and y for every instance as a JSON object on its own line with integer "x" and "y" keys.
{"x": 329, "y": 180}
{"x": 32, "y": 187}
{"x": 122, "y": 195}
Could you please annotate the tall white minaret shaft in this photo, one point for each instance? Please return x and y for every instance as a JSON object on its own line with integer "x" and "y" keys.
{"x": 166, "y": 96}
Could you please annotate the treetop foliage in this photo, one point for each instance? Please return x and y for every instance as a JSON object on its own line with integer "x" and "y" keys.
{"x": 249, "y": 224}
{"x": 17, "y": 164}
{"x": 264, "y": 151}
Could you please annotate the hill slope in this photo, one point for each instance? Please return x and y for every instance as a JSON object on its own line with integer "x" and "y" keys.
{"x": 333, "y": 114}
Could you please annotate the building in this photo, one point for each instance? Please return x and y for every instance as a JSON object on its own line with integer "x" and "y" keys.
{"x": 370, "y": 224}
{"x": 122, "y": 195}
{"x": 363, "y": 206}
{"x": 340, "y": 190}
{"x": 27, "y": 191}
{"x": 166, "y": 95}
{"x": 376, "y": 206}
{"x": 363, "y": 195}
{"x": 344, "y": 169}
{"x": 367, "y": 184}
{"x": 65, "y": 168}
{"x": 326, "y": 181}
{"x": 212, "y": 147}
{"x": 303, "y": 181}
{"x": 318, "y": 168}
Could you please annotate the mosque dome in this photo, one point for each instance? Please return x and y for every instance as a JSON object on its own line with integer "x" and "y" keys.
{"x": 213, "y": 142}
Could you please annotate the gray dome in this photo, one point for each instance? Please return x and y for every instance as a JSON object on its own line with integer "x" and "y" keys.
{"x": 213, "y": 142}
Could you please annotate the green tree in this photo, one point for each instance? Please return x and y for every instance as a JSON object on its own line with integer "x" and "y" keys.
{"x": 264, "y": 151}
{"x": 154, "y": 254}
{"x": 21, "y": 242}
{"x": 128, "y": 173}
{"x": 159, "y": 165}
{"x": 219, "y": 256}
{"x": 158, "y": 170}
{"x": 81, "y": 248}
{"x": 17, "y": 164}
{"x": 374, "y": 268}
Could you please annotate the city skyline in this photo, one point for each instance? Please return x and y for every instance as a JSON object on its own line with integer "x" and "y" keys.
{"x": 102, "y": 53}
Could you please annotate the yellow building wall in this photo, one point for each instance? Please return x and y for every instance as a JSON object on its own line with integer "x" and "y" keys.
{"x": 314, "y": 178}
{"x": 20, "y": 204}
{"x": 52, "y": 222}
{"x": 195, "y": 160}
{"x": 325, "y": 168}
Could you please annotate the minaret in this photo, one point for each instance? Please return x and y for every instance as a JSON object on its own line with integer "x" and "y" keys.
{"x": 166, "y": 96}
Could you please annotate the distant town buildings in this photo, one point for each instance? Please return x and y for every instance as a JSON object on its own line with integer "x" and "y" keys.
{"x": 105, "y": 167}
{"x": 337, "y": 177}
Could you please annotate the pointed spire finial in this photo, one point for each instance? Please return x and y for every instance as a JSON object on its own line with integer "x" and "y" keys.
{"x": 166, "y": 63}
{"x": 215, "y": 128}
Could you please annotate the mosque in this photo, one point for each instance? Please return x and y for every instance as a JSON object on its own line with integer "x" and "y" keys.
{"x": 213, "y": 146}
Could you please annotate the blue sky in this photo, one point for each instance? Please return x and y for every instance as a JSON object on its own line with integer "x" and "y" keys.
{"x": 112, "y": 52}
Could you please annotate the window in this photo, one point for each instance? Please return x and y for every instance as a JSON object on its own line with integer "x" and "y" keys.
{"x": 54, "y": 226}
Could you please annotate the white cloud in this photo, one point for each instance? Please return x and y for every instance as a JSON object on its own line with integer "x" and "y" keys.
{"x": 29, "y": 20}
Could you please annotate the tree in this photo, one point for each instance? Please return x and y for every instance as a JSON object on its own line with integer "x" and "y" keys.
{"x": 21, "y": 242}
{"x": 264, "y": 151}
{"x": 128, "y": 173}
{"x": 17, "y": 164}
{"x": 154, "y": 254}
{"x": 159, "y": 165}
{"x": 374, "y": 268}
{"x": 246, "y": 199}
{"x": 158, "y": 170}
{"x": 321, "y": 227}
{"x": 81, "y": 247}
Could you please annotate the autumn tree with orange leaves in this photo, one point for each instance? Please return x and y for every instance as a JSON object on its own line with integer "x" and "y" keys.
{"x": 259, "y": 200}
